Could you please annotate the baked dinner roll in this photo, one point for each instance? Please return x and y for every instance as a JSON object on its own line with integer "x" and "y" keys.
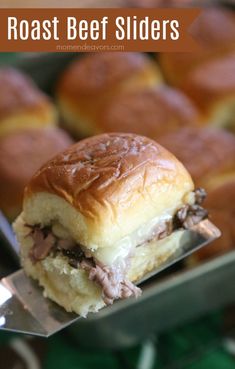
{"x": 213, "y": 148}
{"x": 22, "y": 104}
{"x": 214, "y": 29}
{"x": 90, "y": 82}
{"x": 212, "y": 87}
{"x": 151, "y": 111}
{"x": 21, "y": 154}
{"x": 101, "y": 215}
{"x": 221, "y": 205}
{"x": 209, "y": 156}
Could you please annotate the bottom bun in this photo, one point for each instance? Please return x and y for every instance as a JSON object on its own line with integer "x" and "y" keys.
{"x": 70, "y": 287}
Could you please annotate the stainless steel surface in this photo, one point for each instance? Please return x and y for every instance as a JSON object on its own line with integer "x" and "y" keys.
{"x": 23, "y": 308}
{"x": 9, "y": 238}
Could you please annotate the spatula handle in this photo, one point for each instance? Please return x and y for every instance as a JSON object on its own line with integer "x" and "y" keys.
{"x": 10, "y": 240}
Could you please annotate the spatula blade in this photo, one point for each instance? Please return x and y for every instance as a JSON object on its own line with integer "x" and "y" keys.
{"x": 23, "y": 308}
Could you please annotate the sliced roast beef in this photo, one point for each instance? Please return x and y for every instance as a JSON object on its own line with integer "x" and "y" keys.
{"x": 43, "y": 243}
{"x": 190, "y": 215}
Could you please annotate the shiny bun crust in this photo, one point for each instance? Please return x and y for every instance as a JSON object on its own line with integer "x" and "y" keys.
{"x": 215, "y": 41}
{"x": 212, "y": 87}
{"x": 220, "y": 203}
{"x": 22, "y": 104}
{"x": 106, "y": 187}
{"x": 152, "y": 112}
{"x": 21, "y": 154}
{"x": 92, "y": 80}
{"x": 208, "y": 154}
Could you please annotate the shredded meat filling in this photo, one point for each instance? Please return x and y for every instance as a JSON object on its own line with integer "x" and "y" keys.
{"x": 111, "y": 279}
{"x": 190, "y": 215}
{"x": 113, "y": 284}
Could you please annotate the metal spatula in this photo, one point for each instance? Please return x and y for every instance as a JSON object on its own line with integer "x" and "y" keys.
{"x": 23, "y": 308}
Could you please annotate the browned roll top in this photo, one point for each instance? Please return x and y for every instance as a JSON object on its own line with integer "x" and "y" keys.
{"x": 211, "y": 81}
{"x": 209, "y": 156}
{"x": 21, "y": 154}
{"x": 214, "y": 30}
{"x": 150, "y": 112}
{"x": 94, "y": 169}
{"x": 221, "y": 205}
{"x": 18, "y": 92}
{"x": 204, "y": 152}
{"x": 95, "y": 73}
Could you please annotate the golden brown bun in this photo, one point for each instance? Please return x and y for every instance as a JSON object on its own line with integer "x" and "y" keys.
{"x": 209, "y": 156}
{"x": 225, "y": 243}
{"x": 152, "y": 112}
{"x": 221, "y": 204}
{"x": 90, "y": 82}
{"x": 21, "y": 154}
{"x": 106, "y": 187}
{"x": 212, "y": 86}
{"x": 207, "y": 153}
{"x": 22, "y": 104}
{"x": 214, "y": 29}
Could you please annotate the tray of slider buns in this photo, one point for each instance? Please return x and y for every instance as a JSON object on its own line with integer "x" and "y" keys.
{"x": 183, "y": 102}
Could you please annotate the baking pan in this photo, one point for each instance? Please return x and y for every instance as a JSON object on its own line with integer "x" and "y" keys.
{"x": 167, "y": 300}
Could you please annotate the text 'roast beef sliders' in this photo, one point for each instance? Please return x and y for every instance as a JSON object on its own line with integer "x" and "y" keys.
{"x": 21, "y": 154}
{"x": 22, "y": 104}
{"x": 214, "y": 170}
{"x": 151, "y": 111}
{"x": 101, "y": 215}
{"x": 90, "y": 81}
{"x": 214, "y": 31}
{"x": 212, "y": 87}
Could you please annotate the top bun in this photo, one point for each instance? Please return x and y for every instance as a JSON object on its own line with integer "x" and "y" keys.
{"x": 21, "y": 154}
{"x": 106, "y": 187}
{"x": 151, "y": 111}
{"x": 215, "y": 41}
{"x": 207, "y": 153}
{"x": 22, "y": 104}
{"x": 212, "y": 87}
{"x": 90, "y": 81}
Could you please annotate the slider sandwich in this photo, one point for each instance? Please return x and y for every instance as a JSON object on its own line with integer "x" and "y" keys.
{"x": 151, "y": 111}
{"x": 214, "y": 170}
{"x": 22, "y": 104}
{"x": 90, "y": 82}
{"x": 214, "y": 31}
{"x": 22, "y": 152}
{"x": 212, "y": 88}
{"x": 101, "y": 215}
